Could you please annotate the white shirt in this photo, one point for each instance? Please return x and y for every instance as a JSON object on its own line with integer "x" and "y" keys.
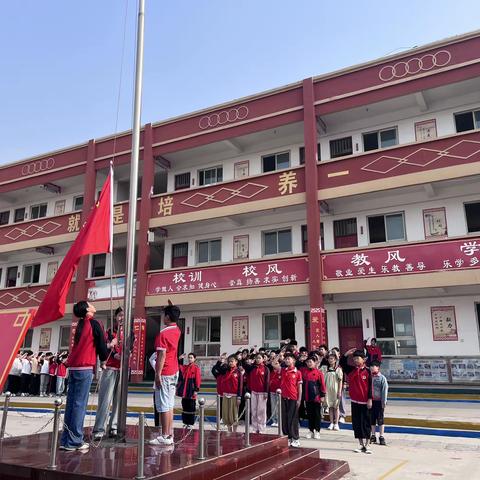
{"x": 46, "y": 364}
{"x": 26, "y": 366}
{"x": 16, "y": 367}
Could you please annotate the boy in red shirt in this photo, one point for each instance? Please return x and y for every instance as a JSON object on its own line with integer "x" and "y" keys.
{"x": 258, "y": 379}
{"x": 291, "y": 386}
{"x": 360, "y": 388}
{"x": 187, "y": 387}
{"x": 275, "y": 381}
{"x": 314, "y": 388}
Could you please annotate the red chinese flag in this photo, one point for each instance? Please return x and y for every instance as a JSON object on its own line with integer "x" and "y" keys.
{"x": 95, "y": 236}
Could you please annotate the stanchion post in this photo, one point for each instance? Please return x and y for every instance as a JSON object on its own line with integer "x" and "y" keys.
{"x": 56, "y": 422}
{"x": 141, "y": 447}
{"x": 219, "y": 399}
{"x": 279, "y": 410}
{"x": 4, "y": 414}
{"x": 201, "y": 430}
{"x": 247, "y": 419}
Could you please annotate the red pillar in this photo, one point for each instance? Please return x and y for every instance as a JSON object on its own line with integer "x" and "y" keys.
{"x": 143, "y": 262}
{"x": 88, "y": 202}
{"x": 317, "y": 311}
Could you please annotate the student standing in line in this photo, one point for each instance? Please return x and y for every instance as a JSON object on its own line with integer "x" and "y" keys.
{"x": 26, "y": 373}
{"x": 274, "y": 385}
{"x": 258, "y": 380}
{"x": 44, "y": 374}
{"x": 360, "y": 384}
{"x": 379, "y": 401}
{"x": 188, "y": 385}
{"x": 52, "y": 372}
{"x": 15, "y": 375}
{"x": 334, "y": 383}
{"x": 35, "y": 378}
{"x": 314, "y": 388}
{"x": 61, "y": 374}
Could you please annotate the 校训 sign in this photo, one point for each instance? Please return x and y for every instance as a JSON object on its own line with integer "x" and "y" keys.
{"x": 443, "y": 256}
{"x": 226, "y": 277}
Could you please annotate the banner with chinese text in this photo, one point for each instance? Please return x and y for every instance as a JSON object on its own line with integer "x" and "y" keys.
{"x": 137, "y": 357}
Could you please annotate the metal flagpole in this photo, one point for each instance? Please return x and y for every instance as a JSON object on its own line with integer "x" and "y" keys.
{"x": 132, "y": 217}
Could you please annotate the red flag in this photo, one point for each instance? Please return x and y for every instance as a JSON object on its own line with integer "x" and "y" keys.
{"x": 95, "y": 236}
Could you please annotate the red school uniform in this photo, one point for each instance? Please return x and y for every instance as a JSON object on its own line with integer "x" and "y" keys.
{"x": 61, "y": 370}
{"x": 291, "y": 379}
{"x": 232, "y": 382}
{"x": 258, "y": 378}
{"x": 52, "y": 368}
{"x": 314, "y": 385}
{"x": 275, "y": 380}
{"x": 167, "y": 340}
{"x": 189, "y": 381}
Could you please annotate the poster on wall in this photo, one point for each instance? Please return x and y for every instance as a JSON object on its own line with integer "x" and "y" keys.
{"x": 444, "y": 324}
{"x": 45, "y": 338}
{"x": 426, "y": 130}
{"x": 435, "y": 223}
{"x": 240, "y": 247}
{"x": 239, "y": 330}
{"x": 429, "y": 370}
{"x": 465, "y": 370}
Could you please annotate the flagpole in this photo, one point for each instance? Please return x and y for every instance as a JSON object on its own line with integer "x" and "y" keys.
{"x": 132, "y": 216}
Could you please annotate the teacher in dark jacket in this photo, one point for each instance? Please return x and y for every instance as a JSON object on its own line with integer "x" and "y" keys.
{"x": 89, "y": 342}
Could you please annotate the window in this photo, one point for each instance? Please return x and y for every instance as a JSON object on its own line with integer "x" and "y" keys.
{"x": 345, "y": 233}
{"x": 277, "y": 327}
{"x": 301, "y": 154}
{"x": 77, "y": 203}
{"x": 27, "y": 342}
{"x": 31, "y": 273}
{"x": 275, "y": 161}
{"x": 341, "y": 147}
{"x": 209, "y": 251}
{"x": 206, "y": 336}
{"x": 182, "y": 181}
{"x": 210, "y": 176}
{"x": 394, "y": 330}
{"x": 180, "y": 255}
{"x": 379, "y": 139}
{"x": 278, "y": 241}
{"x": 19, "y": 215}
{"x": 98, "y": 265}
{"x": 4, "y": 217}
{"x": 472, "y": 212}
{"x": 467, "y": 121}
{"x": 12, "y": 273}
{"x": 305, "y": 238}
{"x": 385, "y": 228}
{"x": 38, "y": 211}
{"x": 64, "y": 341}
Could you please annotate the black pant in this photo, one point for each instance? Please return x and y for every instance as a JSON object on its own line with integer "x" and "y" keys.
{"x": 25, "y": 386}
{"x": 360, "y": 420}
{"x": 13, "y": 384}
{"x": 35, "y": 384}
{"x": 156, "y": 413}
{"x": 188, "y": 411}
{"x": 314, "y": 415}
{"x": 290, "y": 418}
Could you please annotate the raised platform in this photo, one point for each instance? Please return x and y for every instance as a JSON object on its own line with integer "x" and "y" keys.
{"x": 269, "y": 457}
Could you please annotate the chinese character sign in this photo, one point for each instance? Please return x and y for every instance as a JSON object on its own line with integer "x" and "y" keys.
{"x": 398, "y": 260}
{"x": 137, "y": 359}
{"x": 239, "y": 330}
{"x": 444, "y": 324}
{"x": 254, "y": 274}
{"x": 317, "y": 327}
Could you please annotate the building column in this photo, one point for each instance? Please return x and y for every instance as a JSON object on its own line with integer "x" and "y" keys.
{"x": 317, "y": 311}
{"x": 143, "y": 261}
{"x": 88, "y": 203}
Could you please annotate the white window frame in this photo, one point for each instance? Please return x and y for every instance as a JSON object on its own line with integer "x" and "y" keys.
{"x": 277, "y": 230}
{"x": 207, "y": 342}
{"x": 276, "y": 154}
{"x": 379, "y": 138}
{"x": 273, "y": 343}
{"x": 473, "y": 112}
{"x": 92, "y": 266}
{"x": 385, "y": 223}
{"x": 32, "y": 265}
{"x": 203, "y": 170}
{"x": 67, "y": 346}
{"x": 209, "y": 240}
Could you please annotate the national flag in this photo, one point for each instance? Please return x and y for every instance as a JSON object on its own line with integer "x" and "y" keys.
{"x": 94, "y": 237}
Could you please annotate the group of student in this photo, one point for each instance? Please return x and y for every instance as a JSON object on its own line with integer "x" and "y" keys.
{"x": 311, "y": 383}
{"x": 41, "y": 374}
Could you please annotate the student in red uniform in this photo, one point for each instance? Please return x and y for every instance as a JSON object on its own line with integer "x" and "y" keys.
{"x": 314, "y": 388}
{"x": 89, "y": 341}
{"x": 218, "y": 378}
{"x": 188, "y": 385}
{"x": 291, "y": 386}
{"x": 231, "y": 381}
{"x": 258, "y": 379}
{"x": 166, "y": 373}
{"x": 275, "y": 381}
{"x": 360, "y": 388}
{"x": 374, "y": 352}
{"x": 52, "y": 372}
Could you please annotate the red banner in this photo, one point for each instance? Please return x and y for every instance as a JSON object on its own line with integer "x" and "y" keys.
{"x": 317, "y": 328}
{"x": 137, "y": 358}
{"x": 227, "y": 277}
{"x": 400, "y": 260}
{"x": 15, "y": 324}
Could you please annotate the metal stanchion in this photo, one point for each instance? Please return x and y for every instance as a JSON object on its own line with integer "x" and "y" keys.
{"x": 201, "y": 430}
{"x": 247, "y": 419}
{"x": 141, "y": 446}
{"x": 56, "y": 421}
{"x": 279, "y": 410}
{"x": 5, "y": 413}
{"x": 219, "y": 399}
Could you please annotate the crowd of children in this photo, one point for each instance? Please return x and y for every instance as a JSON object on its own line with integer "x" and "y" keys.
{"x": 42, "y": 374}
{"x": 311, "y": 383}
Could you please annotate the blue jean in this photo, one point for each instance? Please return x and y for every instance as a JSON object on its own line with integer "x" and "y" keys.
{"x": 107, "y": 391}
{"x": 79, "y": 382}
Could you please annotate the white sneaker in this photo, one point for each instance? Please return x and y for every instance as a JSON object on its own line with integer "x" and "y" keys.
{"x": 308, "y": 435}
{"x": 336, "y": 427}
{"x": 97, "y": 436}
{"x": 83, "y": 447}
{"x": 316, "y": 435}
{"x": 367, "y": 450}
{"x": 341, "y": 420}
{"x": 295, "y": 443}
{"x": 358, "y": 450}
{"x": 330, "y": 427}
{"x": 161, "y": 440}
{"x": 289, "y": 442}
{"x": 274, "y": 424}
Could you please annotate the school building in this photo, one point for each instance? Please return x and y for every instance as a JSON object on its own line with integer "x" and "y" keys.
{"x": 338, "y": 208}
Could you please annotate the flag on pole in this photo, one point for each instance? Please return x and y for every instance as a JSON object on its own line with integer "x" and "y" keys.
{"x": 94, "y": 237}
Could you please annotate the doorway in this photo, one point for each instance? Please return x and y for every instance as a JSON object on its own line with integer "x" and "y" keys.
{"x": 350, "y": 329}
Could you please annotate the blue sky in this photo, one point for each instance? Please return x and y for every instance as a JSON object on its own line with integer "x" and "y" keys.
{"x": 60, "y": 60}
